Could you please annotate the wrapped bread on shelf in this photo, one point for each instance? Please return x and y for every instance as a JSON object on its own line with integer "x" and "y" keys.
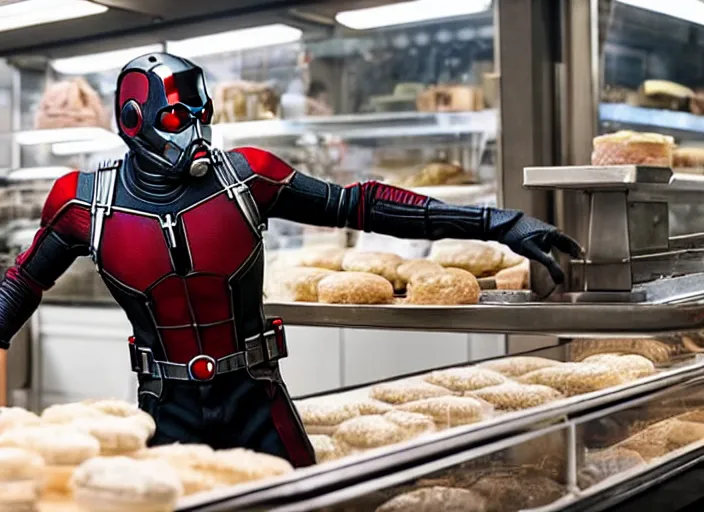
{"x": 366, "y": 432}
{"x": 665, "y": 95}
{"x": 326, "y": 448}
{"x": 114, "y": 484}
{"x": 297, "y": 284}
{"x": 324, "y": 416}
{"x": 576, "y": 378}
{"x": 62, "y": 447}
{"x": 664, "y": 437}
{"x": 518, "y": 365}
{"x": 70, "y": 104}
{"x": 633, "y": 148}
{"x": 480, "y": 258}
{"x": 450, "y": 411}
{"x": 468, "y": 378}
{"x": 379, "y": 263}
{"x": 329, "y": 258}
{"x": 443, "y": 288}
{"x": 520, "y": 490}
{"x": 657, "y": 351}
{"x": 437, "y": 174}
{"x": 435, "y": 499}
{"x": 603, "y": 464}
{"x": 408, "y": 390}
{"x": 355, "y": 288}
{"x": 513, "y": 396}
{"x": 632, "y": 366}
{"x": 413, "y": 424}
{"x": 21, "y": 476}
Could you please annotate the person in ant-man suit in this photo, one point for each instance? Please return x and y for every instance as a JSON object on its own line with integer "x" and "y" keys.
{"x": 175, "y": 230}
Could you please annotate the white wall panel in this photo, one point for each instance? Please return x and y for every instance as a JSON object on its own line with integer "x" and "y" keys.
{"x": 314, "y": 361}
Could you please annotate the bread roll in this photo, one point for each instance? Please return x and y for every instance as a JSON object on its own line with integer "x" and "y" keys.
{"x": 412, "y": 423}
{"x": 436, "y": 499}
{"x": 297, "y": 284}
{"x": 443, "y": 288}
{"x": 355, "y": 288}
{"x": 513, "y": 278}
{"x": 519, "y": 365}
{"x": 380, "y": 263}
{"x": 602, "y": 464}
{"x": 480, "y": 258}
{"x": 21, "y": 473}
{"x": 688, "y": 158}
{"x": 117, "y": 436}
{"x": 663, "y": 437}
{"x": 111, "y": 484}
{"x": 409, "y": 268}
{"x": 238, "y": 465}
{"x": 631, "y": 366}
{"x": 513, "y": 396}
{"x": 466, "y": 378}
{"x": 330, "y": 259}
{"x": 67, "y": 413}
{"x": 402, "y": 391}
{"x": 324, "y": 416}
{"x": 16, "y": 417}
{"x": 123, "y": 409}
{"x": 576, "y": 379}
{"x": 507, "y": 491}
{"x": 632, "y": 148}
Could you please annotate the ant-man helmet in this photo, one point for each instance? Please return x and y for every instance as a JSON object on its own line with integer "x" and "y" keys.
{"x": 164, "y": 112}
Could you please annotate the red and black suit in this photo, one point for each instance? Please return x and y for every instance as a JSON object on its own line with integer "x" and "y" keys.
{"x": 176, "y": 236}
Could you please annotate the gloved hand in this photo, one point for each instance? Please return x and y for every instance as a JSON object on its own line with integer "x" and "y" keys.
{"x": 535, "y": 239}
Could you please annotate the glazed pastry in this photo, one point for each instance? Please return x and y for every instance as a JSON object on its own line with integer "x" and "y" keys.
{"x": 355, "y": 288}
{"x": 116, "y": 484}
{"x": 632, "y": 148}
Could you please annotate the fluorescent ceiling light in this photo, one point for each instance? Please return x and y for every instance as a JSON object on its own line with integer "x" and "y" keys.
{"x": 38, "y": 173}
{"x": 103, "y": 61}
{"x": 35, "y": 137}
{"x": 688, "y": 10}
{"x": 86, "y": 146}
{"x": 28, "y": 13}
{"x": 244, "y": 39}
{"x": 409, "y": 12}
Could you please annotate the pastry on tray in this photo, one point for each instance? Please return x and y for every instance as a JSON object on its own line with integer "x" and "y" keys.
{"x": 21, "y": 475}
{"x": 513, "y": 396}
{"x": 122, "y": 409}
{"x": 407, "y": 390}
{"x": 443, "y": 288}
{"x": 329, "y": 258}
{"x": 326, "y": 448}
{"x": 355, "y": 288}
{"x": 602, "y": 464}
{"x": 480, "y": 258}
{"x": 450, "y": 411}
{"x": 657, "y": 351}
{"x": 632, "y": 366}
{"x": 436, "y": 499}
{"x": 323, "y": 416}
{"x": 14, "y": 417}
{"x": 413, "y": 424}
{"x": 116, "y": 484}
{"x": 238, "y": 465}
{"x": 365, "y": 432}
{"x": 576, "y": 378}
{"x": 296, "y": 284}
{"x": 410, "y": 268}
{"x": 116, "y": 435}
{"x": 633, "y": 148}
{"x": 688, "y": 159}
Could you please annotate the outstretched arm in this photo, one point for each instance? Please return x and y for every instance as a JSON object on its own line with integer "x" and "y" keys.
{"x": 375, "y": 207}
{"x": 62, "y": 237}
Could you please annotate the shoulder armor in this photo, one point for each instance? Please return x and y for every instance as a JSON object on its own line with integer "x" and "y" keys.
{"x": 62, "y": 193}
{"x": 265, "y": 164}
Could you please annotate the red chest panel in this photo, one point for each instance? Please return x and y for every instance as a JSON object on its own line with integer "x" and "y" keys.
{"x": 193, "y": 312}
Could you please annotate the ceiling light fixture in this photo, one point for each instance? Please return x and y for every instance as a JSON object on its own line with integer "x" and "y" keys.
{"x": 35, "y": 137}
{"x": 103, "y": 61}
{"x": 409, "y": 12}
{"x": 28, "y": 13}
{"x": 243, "y": 39}
{"x": 688, "y": 10}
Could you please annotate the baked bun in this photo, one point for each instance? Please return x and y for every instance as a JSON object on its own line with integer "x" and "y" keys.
{"x": 467, "y": 378}
{"x": 576, "y": 378}
{"x": 330, "y": 259}
{"x": 518, "y": 365}
{"x": 380, "y": 263}
{"x": 296, "y": 284}
{"x": 122, "y": 409}
{"x": 413, "y": 424}
{"x": 513, "y": 278}
{"x": 443, "y": 288}
{"x": 355, "y": 288}
{"x": 326, "y": 448}
{"x": 688, "y": 159}
{"x": 67, "y": 413}
{"x": 238, "y": 465}
{"x": 450, "y": 411}
{"x": 512, "y": 396}
{"x": 633, "y": 148}
{"x": 409, "y": 268}
{"x": 632, "y": 366}
{"x": 480, "y": 258}
{"x": 407, "y": 390}
{"x": 655, "y": 350}
{"x": 436, "y": 499}
{"x": 116, "y": 435}
{"x": 116, "y": 484}
{"x": 365, "y": 432}
{"x": 324, "y": 416}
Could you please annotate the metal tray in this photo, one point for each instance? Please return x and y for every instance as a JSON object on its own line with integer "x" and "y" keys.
{"x": 478, "y": 439}
{"x": 573, "y": 320}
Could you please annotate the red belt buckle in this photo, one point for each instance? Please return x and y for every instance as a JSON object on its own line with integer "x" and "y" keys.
{"x": 202, "y": 368}
{"x": 280, "y": 336}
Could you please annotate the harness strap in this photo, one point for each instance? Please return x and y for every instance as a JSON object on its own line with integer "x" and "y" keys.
{"x": 101, "y": 204}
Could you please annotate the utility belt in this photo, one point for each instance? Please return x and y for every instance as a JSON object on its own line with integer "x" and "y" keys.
{"x": 267, "y": 347}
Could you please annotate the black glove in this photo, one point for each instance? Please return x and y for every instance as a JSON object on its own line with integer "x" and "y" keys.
{"x": 534, "y": 239}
